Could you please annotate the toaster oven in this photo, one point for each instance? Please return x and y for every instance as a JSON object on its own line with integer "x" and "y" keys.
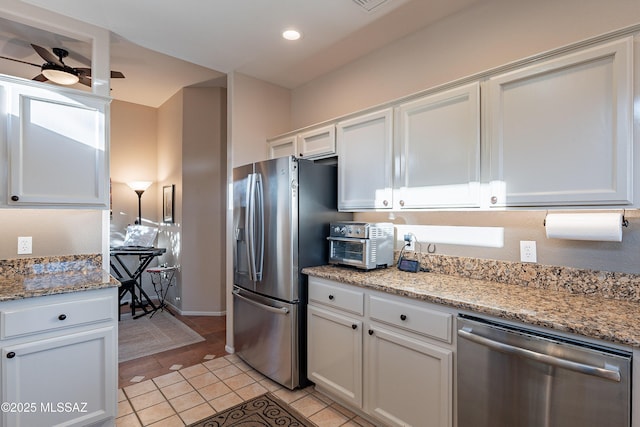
{"x": 363, "y": 245}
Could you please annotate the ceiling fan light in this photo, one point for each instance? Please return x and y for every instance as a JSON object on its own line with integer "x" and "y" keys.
{"x": 60, "y": 75}
{"x": 291, "y": 34}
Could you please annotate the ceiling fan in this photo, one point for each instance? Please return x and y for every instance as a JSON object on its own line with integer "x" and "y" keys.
{"x": 57, "y": 71}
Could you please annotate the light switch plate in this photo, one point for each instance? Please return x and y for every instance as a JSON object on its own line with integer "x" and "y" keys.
{"x": 528, "y": 251}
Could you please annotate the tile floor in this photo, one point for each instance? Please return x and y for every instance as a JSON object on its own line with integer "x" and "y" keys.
{"x": 189, "y": 394}
{"x": 184, "y": 385}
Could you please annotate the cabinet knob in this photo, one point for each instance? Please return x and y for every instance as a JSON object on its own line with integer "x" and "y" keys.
{"x": 370, "y": 331}
{"x": 385, "y": 202}
{"x": 11, "y": 355}
{"x": 301, "y": 154}
{"x": 354, "y": 326}
{"x": 15, "y": 198}
{"x": 331, "y": 297}
{"x": 403, "y": 317}
{"x": 62, "y": 317}
{"x": 494, "y": 200}
{"x": 401, "y": 202}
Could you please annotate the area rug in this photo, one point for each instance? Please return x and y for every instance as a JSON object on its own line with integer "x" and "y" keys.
{"x": 150, "y": 335}
{"x": 266, "y": 410}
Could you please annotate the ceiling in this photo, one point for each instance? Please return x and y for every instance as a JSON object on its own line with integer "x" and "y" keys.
{"x": 162, "y": 46}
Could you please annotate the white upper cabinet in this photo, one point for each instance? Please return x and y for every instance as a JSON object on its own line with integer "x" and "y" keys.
{"x": 365, "y": 179}
{"x": 438, "y": 147}
{"x": 283, "y": 147}
{"x": 57, "y": 148}
{"x": 317, "y": 143}
{"x": 560, "y": 130}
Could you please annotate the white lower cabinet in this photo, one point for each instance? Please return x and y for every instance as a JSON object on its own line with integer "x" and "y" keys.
{"x": 62, "y": 370}
{"x": 387, "y": 357}
{"x": 409, "y": 381}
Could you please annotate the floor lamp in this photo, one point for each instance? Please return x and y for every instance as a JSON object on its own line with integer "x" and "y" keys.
{"x": 139, "y": 187}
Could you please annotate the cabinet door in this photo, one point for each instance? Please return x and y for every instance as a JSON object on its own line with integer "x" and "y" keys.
{"x": 334, "y": 351}
{"x": 68, "y": 380}
{"x": 439, "y": 150}
{"x": 57, "y": 147}
{"x": 365, "y": 178}
{"x": 283, "y": 147}
{"x": 409, "y": 381}
{"x": 561, "y": 130}
{"x": 317, "y": 143}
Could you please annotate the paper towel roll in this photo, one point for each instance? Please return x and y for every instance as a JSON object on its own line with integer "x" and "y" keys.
{"x": 605, "y": 227}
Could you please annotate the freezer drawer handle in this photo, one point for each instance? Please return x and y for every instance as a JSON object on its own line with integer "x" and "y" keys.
{"x": 539, "y": 357}
{"x": 280, "y": 310}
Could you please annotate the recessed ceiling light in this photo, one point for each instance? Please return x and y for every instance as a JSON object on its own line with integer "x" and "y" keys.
{"x": 291, "y": 34}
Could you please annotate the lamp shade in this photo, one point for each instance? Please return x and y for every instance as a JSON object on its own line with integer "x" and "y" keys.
{"x": 139, "y": 185}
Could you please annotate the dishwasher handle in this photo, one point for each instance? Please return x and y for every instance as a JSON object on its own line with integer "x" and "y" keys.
{"x": 582, "y": 368}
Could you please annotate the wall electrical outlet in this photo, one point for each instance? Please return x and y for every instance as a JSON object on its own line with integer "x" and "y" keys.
{"x": 25, "y": 245}
{"x": 409, "y": 242}
{"x": 528, "y": 251}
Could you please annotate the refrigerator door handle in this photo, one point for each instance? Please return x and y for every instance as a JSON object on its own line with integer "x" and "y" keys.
{"x": 281, "y": 310}
{"x": 249, "y": 225}
{"x": 260, "y": 217}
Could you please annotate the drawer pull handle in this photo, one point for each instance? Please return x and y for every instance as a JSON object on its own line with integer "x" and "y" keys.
{"x": 15, "y": 198}
{"x": 11, "y": 355}
{"x": 331, "y": 297}
{"x": 403, "y": 317}
{"x": 354, "y": 326}
{"x": 370, "y": 331}
{"x": 62, "y": 317}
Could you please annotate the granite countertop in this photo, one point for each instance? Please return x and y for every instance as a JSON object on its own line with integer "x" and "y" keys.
{"x": 32, "y": 277}
{"x": 592, "y": 316}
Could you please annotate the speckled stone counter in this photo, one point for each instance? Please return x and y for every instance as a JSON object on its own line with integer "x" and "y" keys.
{"x": 31, "y": 277}
{"x": 588, "y": 313}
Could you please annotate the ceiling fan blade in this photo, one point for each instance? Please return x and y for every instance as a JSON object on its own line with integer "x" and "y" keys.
{"x": 18, "y": 60}
{"x": 46, "y": 55}
{"x": 117, "y": 75}
{"x": 40, "y": 78}
{"x": 84, "y": 80}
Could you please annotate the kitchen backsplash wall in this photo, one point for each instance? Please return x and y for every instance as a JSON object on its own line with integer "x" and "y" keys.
{"x": 468, "y": 229}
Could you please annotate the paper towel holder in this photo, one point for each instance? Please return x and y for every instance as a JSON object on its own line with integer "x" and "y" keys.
{"x": 625, "y": 221}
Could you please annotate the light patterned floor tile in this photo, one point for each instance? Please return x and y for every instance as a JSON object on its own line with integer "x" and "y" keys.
{"x": 328, "y": 417}
{"x": 227, "y": 372}
{"x": 233, "y": 358}
{"x": 177, "y": 389}
{"x": 214, "y": 391}
{"x": 203, "y": 380}
{"x": 187, "y": 401}
{"x": 308, "y": 405}
{"x": 146, "y": 400}
{"x": 198, "y": 413}
{"x": 175, "y": 367}
{"x": 239, "y": 381}
{"x": 140, "y": 388}
{"x": 288, "y": 396}
{"x": 155, "y": 413}
{"x": 121, "y": 395}
{"x": 173, "y": 421}
{"x": 193, "y": 371}
{"x": 124, "y": 408}
{"x": 362, "y": 422}
{"x": 168, "y": 379}
{"x": 251, "y": 391}
{"x": 136, "y": 379}
{"x": 225, "y": 402}
{"x": 128, "y": 421}
{"x": 270, "y": 385}
{"x": 214, "y": 364}
{"x": 344, "y": 411}
{"x": 256, "y": 375}
{"x": 209, "y": 356}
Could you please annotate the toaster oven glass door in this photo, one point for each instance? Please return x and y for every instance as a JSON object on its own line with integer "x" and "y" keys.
{"x": 348, "y": 251}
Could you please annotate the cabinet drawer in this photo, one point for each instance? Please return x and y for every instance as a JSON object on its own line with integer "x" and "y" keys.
{"x": 323, "y": 292}
{"x": 47, "y": 317}
{"x": 421, "y": 320}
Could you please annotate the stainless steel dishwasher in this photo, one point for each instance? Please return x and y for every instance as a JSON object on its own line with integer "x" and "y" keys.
{"x": 513, "y": 377}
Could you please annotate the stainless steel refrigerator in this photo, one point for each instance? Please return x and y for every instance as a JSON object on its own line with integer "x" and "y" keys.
{"x": 281, "y": 214}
